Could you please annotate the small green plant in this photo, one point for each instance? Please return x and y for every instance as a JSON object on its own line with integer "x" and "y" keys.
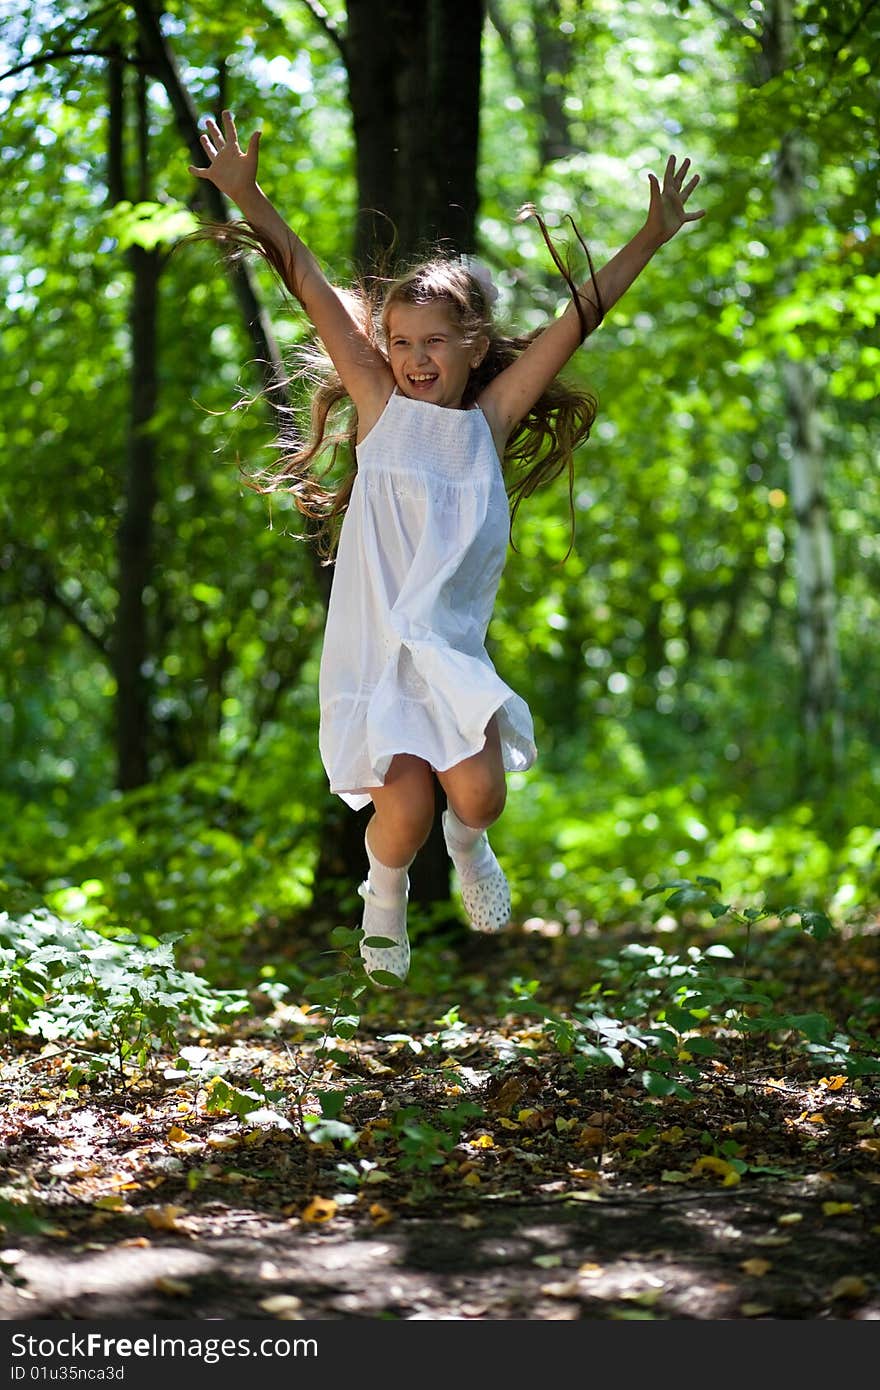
{"x": 118, "y": 1000}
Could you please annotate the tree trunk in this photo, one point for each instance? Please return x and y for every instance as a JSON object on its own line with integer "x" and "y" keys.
{"x": 554, "y": 50}
{"x": 821, "y": 717}
{"x": 130, "y": 644}
{"x": 414, "y": 89}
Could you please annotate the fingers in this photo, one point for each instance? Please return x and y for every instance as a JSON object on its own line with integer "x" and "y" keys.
{"x": 688, "y": 190}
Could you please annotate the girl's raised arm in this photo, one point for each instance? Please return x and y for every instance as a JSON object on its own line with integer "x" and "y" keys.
{"x": 514, "y": 391}
{"x": 365, "y": 373}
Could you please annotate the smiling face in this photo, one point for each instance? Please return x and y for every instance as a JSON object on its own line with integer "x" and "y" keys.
{"x": 429, "y": 354}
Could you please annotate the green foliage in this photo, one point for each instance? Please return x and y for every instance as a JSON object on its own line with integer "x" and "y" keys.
{"x": 121, "y": 1000}
{"x": 661, "y": 662}
{"x": 671, "y": 1007}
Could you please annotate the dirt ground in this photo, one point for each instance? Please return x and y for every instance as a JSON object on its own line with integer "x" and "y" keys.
{"x": 564, "y": 1196}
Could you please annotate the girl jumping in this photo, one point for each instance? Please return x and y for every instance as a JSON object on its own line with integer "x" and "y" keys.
{"x": 451, "y": 420}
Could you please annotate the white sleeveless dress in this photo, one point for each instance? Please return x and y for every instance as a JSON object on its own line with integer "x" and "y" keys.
{"x": 404, "y": 666}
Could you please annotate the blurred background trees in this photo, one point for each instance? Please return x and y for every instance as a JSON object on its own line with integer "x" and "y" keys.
{"x": 701, "y": 669}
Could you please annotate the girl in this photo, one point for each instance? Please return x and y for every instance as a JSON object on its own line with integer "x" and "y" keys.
{"x": 444, "y": 405}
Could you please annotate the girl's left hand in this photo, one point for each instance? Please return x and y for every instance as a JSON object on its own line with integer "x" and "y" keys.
{"x": 666, "y": 214}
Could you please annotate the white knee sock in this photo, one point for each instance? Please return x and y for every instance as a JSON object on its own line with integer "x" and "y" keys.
{"x": 470, "y": 849}
{"x": 386, "y": 881}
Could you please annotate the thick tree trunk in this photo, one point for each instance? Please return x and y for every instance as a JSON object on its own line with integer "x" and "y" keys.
{"x": 414, "y": 89}
{"x": 822, "y": 724}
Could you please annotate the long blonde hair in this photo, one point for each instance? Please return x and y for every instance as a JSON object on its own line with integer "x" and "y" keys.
{"x": 541, "y": 446}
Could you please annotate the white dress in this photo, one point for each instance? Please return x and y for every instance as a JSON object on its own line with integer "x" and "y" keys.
{"x": 404, "y": 666}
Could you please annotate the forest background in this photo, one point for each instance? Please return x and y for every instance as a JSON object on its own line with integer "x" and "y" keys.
{"x": 701, "y": 668}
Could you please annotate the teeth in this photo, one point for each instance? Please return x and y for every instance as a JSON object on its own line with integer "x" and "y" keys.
{"x": 422, "y": 377}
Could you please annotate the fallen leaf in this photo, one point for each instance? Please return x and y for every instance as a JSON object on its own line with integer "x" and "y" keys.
{"x": 282, "y": 1305}
{"x": 177, "y": 1288}
{"x": 319, "y": 1209}
{"x": 568, "y": 1289}
{"x": 163, "y": 1218}
{"x": 789, "y": 1218}
{"x": 849, "y": 1286}
{"x": 755, "y": 1266}
{"x": 112, "y": 1203}
{"x": 591, "y": 1137}
{"x": 837, "y": 1208}
{"x": 379, "y": 1214}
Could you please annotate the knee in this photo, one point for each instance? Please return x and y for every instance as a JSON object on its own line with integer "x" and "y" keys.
{"x": 407, "y": 823}
{"x": 480, "y": 807}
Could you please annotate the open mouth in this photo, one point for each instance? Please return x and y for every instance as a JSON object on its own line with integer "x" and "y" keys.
{"x": 422, "y": 381}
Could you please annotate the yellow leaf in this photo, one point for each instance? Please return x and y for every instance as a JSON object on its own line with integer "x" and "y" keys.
{"x": 789, "y": 1218}
{"x": 849, "y": 1286}
{"x": 319, "y": 1209}
{"x": 505, "y": 1123}
{"x": 471, "y": 1180}
{"x": 832, "y": 1083}
{"x": 176, "y": 1135}
{"x": 285, "y": 1306}
{"x": 837, "y": 1208}
{"x": 177, "y": 1288}
{"x": 568, "y": 1288}
{"x": 754, "y": 1310}
{"x": 468, "y": 1222}
{"x": 163, "y": 1218}
{"x": 720, "y": 1167}
{"x": 484, "y": 1141}
{"x": 112, "y": 1203}
{"x": 756, "y": 1267}
{"x": 380, "y": 1215}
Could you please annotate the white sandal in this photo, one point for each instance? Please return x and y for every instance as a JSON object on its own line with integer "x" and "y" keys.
{"x": 486, "y": 899}
{"x": 386, "y": 960}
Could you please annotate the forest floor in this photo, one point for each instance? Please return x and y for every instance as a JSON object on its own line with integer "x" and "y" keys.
{"x": 450, "y": 1161}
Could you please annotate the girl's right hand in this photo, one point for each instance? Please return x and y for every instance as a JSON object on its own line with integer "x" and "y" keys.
{"x": 232, "y": 169}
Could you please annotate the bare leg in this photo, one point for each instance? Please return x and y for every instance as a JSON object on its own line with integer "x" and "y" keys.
{"x": 476, "y": 788}
{"x": 403, "y": 811}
